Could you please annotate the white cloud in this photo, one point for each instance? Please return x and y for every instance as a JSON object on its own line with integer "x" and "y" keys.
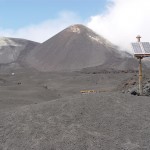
{"x": 120, "y": 23}
{"x": 123, "y": 21}
{"x": 45, "y": 30}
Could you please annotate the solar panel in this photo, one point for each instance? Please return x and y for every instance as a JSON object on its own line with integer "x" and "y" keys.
{"x": 136, "y": 48}
{"x": 146, "y": 47}
{"x": 141, "y": 48}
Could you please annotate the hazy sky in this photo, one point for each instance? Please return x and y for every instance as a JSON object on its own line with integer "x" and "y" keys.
{"x": 19, "y": 13}
{"x": 117, "y": 20}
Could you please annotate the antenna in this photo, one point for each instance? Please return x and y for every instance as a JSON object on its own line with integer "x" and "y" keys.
{"x": 141, "y": 50}
{"x": 138, "y": 38}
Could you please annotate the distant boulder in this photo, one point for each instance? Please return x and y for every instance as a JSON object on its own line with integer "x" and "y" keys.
{"x": 146, "y": 89}
{"x": 135, "y": 90}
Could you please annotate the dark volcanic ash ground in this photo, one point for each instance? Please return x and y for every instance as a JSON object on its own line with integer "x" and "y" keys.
{"x": 46, "y": 111}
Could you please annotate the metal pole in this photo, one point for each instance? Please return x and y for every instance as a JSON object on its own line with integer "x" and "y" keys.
{"x": 140, "y": 77}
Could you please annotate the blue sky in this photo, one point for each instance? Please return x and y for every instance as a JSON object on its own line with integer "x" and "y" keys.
{"x": 119, "y": 21}
{"x": 19, "y": 13}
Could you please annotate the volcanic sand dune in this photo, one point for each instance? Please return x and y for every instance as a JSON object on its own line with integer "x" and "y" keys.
{"x": 101, "y": 121}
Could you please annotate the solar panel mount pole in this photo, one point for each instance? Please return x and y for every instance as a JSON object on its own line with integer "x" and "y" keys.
{"x": 140, "y": 69}
{"x": 140, "y": 76}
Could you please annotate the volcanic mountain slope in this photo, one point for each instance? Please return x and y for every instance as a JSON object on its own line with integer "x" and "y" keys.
{"x": 74, "y": 48}
{"x": 14, "y": 50}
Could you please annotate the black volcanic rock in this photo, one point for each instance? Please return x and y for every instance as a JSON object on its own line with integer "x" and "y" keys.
{"x": 74, "y": 48}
